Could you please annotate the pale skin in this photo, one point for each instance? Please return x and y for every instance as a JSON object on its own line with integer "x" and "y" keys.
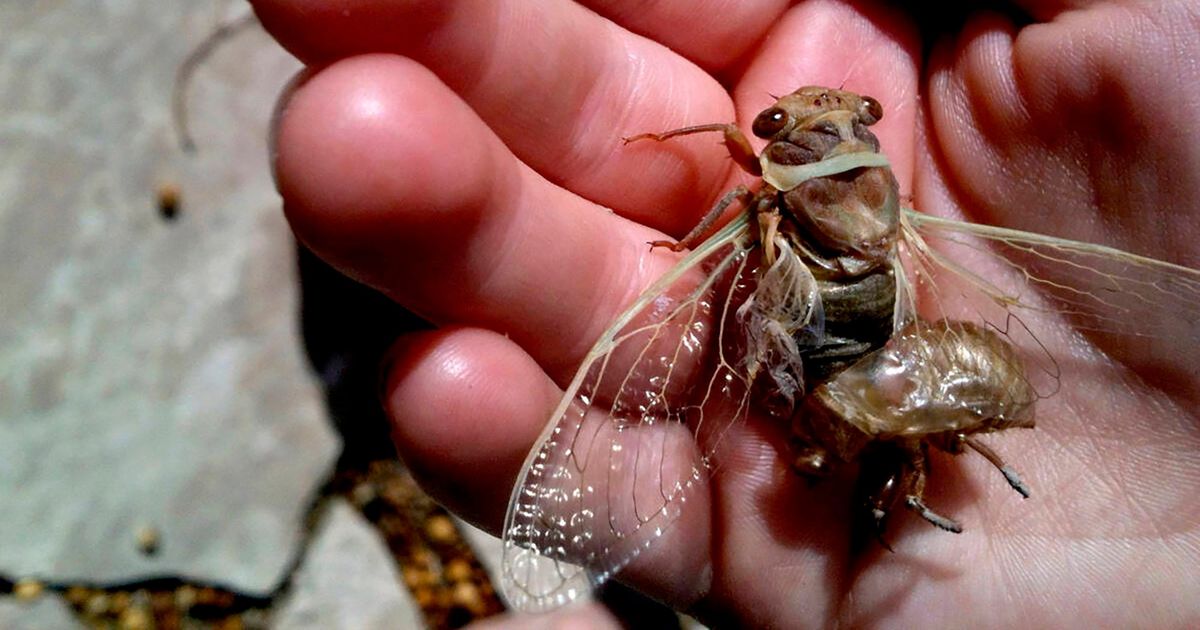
{"x": 463, "y": 160}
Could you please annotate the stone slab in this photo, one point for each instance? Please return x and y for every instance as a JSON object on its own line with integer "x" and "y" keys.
{"x": 151, "y": 379}
{"x": 348, "y": 579}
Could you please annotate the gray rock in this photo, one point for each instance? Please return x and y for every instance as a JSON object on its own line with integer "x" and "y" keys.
{"x": 151, "y": 379}
{"x": 488, "y": 548}
{"x": 348, "y": 579}
{"x": 47, "y": 612}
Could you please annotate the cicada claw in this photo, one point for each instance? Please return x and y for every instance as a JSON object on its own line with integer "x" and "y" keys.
{"x": 675, "y": 246}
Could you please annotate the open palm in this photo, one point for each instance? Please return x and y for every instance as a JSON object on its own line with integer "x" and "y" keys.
{"x": 463, "y": 157}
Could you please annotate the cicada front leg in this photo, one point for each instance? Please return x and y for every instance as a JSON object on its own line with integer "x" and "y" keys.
{"x": 736, "y": 141}
{"x": 897, "y": 468}
{"x": 741, "y": 152}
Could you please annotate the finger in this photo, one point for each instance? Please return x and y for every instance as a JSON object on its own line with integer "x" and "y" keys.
{"x": 1050, "y": 112}
{"x": 466, "y": 404}
{"x": 1046, "y": 129}
{"x": 390, "y": 177}
{"x": 781, "y": 546}
{"x": 557, "y": 83}
{"x": 714, "y": 34}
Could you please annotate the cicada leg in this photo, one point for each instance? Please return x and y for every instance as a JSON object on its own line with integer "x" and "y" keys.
{"x": 741, "y": 193}
{"x": 735, "y": 141}
{"x": 891, "y": 470}
{"x": 957, "y": 443}
{"x": 1010, "y": 475}
{"x": 880, "y": 479}
{"x": 914, "y": 497}
{"x": 741, "y": 152}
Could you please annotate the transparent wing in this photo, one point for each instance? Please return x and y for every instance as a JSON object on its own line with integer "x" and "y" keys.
{"x": 635, "y": 433}
{"x": 1054, "y": 300}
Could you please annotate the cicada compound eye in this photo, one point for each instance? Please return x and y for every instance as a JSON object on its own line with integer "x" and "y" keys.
{"x": 871, "y": 111}
{"x": 770, "y": 122}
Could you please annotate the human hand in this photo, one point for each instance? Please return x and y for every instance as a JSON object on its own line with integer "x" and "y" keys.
{"x": 470, "y": 179}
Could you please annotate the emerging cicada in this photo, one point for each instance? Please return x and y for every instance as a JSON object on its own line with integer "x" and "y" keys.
{"x": 874, "y": 332}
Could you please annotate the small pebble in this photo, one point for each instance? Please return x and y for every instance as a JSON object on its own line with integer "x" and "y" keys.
{"x": 363, "y": 494}
{"x": 412, "y": 576}
{"x": 425, "y": 577}
{"x": 212, "y": 597}
{"x": 424, "y": 596}
{"x": 28, "y": 589}
{"x": 148, "y": 539}
{"x": 458, "y": 570}
{"x": 97, "y": 605}
{"x": 135, "y": 618}
{"x": 423, "y": 558}
{"x": 143, "y": 597}
{"x": 441, "y": 529}
{"x": 185, "y": 597}
{"x": 160, "y": 601}
{"x": 120, "y": 602}
{"x": 466, "y": 595}
{"x": 168, "y": 196}
{"x": 76, "y": 596}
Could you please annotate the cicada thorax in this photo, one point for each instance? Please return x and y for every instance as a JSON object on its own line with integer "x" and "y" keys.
{"x": 843, "y": 228}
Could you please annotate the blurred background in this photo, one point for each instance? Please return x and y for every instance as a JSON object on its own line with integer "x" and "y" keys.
{"x": 189, "y": 432}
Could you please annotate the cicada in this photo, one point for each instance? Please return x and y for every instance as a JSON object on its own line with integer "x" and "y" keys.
{"x": 875, "y": 332}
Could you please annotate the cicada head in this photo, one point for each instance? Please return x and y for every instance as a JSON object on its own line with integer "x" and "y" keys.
{"x": 816, "y": 123}
{"x": 807, "y": 105}
{"x": 854, "y": 215}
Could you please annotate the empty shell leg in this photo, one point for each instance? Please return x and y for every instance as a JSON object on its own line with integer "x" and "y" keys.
{"x": 1010, "y": 475}
{"x": 915, "y": 504}
{"x": 916, "y": 491}
{"x": 883, "y": 477}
